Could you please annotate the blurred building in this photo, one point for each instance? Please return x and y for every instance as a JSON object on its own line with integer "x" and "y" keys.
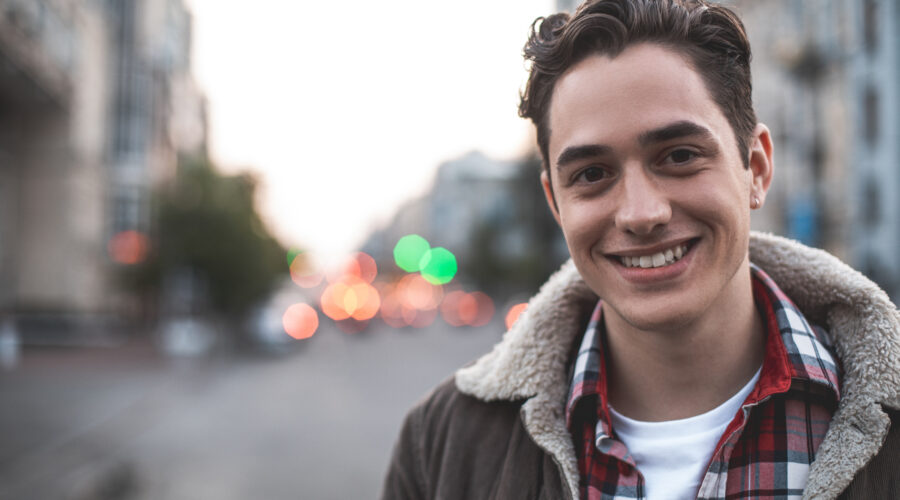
{"x": 467, "y": 191}
{"x": 826, "y": 82}
{"x": 96, "y": 101}
{"x": 492, "y": 215}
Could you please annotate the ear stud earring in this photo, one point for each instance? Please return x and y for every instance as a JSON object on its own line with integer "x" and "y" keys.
{"x": 755, "y": 203}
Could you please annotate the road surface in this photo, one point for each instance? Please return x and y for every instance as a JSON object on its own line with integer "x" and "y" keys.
{"x": 125, "y": 423}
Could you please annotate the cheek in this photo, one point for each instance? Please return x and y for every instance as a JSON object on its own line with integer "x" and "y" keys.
{"x": 583, "y": 226}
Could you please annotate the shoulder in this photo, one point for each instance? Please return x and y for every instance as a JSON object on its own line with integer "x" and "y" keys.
{"x": 447, "y": 412}
{"x": 452, "y": 445}
{"x": 880, "y": 478}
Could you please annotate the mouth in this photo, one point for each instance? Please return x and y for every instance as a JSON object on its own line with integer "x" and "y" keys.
{"x": 660, "y": 258}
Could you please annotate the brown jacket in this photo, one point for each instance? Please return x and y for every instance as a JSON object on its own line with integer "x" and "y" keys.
{"x": 497, "y": 429}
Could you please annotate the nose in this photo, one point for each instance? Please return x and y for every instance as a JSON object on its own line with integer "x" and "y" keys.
{"x": 642, "y": 206}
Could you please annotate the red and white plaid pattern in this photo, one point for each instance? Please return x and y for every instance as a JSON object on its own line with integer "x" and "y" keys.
{"x": 766, "y": 450}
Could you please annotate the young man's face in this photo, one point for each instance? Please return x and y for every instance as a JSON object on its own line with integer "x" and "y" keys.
{"x": 651, "y": 193}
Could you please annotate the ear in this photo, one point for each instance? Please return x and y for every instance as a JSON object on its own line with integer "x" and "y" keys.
{"x": 761, "y": 163}
{"x": 548, "y": 194}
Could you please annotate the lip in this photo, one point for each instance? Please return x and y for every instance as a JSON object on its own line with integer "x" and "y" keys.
{"x": 650, "y": 250}
{"x": 654, "y": 275}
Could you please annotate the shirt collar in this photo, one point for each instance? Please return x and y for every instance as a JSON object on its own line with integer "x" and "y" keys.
{"x": 795, "y": 350}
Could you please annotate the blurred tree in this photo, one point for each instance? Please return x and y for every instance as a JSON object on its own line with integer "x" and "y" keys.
{"x": 208, "y": 229}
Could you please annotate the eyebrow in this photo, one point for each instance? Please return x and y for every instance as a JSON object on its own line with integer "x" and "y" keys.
{"x": 675, "y": 130}
{"x": 665, "y": 133}
{"x": 575, "y": 153}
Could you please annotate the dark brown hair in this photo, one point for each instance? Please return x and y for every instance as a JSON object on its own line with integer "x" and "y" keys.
{"x": 710, "y": 35}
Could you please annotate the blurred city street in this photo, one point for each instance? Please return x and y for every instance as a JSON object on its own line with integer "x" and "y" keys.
{"x": 125, "y": 423}
{"x": 235, "y": 179}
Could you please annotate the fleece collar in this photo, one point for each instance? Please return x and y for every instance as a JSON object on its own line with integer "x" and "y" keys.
{"x": 530, "y": 362}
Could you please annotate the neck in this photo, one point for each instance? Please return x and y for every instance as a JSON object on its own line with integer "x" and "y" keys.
{"x": 690, "y": 368}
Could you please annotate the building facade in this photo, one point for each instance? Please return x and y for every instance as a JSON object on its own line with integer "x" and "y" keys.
{"x": 827, "y": 81}
{"x": 92, "y": 92}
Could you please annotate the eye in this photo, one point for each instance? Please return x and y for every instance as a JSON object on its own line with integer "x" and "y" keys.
{"x": 591, "y": 174}
{"x": 680, "y": 156}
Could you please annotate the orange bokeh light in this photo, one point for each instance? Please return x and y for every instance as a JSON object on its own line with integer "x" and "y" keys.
{"x": 350, "y": 298}
{"x": 300, "y": 321}
{"x": 513, "y": 314}
{"x": 128, "y": 247}
{"x": 332, "y": 301}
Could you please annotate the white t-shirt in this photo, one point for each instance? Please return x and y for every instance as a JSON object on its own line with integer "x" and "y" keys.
{"x": 673, "y": 456}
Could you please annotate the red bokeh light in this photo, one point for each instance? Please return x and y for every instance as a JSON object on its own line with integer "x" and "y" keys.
{"x": 422, "y": 318}
{"x": 411, "y": 301}
{"x": 360, "y": 266}
{"x": 467, "y": 309}
{"x": 128, "y": 247}
{"x": 300, "y": 321}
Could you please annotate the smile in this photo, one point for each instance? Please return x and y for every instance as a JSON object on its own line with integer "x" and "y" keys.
{"x": 658, "y": 259}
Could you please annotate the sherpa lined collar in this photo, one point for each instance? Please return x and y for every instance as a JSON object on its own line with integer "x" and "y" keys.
{"x": 530, "y": 362}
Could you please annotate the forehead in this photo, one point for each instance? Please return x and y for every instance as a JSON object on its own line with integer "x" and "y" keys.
{"x": 613, "y": 99}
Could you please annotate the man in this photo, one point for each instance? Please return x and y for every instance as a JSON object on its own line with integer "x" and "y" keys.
{"x": 674, "y": 357}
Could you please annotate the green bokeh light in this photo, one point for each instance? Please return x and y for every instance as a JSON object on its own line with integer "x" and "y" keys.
{"x": 409, "y": 252}
{"x": 438, "y": 266}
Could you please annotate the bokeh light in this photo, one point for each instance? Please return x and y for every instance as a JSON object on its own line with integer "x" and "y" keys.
{"x": 416, "y": 292}
{"x": 513, "y": 314}
{"x": 438, "y": 266}
{"x": 128, "y": 247}
{"x": 300, "y": 321}
{"x": 350, "y": 298}
{"x": 362, "y": 266}
{"x": 408, "y": 252}
{"x": 467, "y": 309}
{"x": 332, "y": 301}
{"x": 422, "y": 318}
{"x": 392, "y": 307}
{"x": 450, "y": 308}
{"x": 303, "y": 271}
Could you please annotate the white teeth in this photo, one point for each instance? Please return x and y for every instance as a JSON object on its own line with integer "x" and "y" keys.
{"x": 658, "y": 259}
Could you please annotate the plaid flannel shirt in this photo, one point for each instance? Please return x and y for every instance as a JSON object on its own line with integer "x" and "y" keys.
{"x": 765, "y": 451}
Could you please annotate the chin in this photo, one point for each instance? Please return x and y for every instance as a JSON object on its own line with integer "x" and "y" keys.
{"x": 656, "y": 318}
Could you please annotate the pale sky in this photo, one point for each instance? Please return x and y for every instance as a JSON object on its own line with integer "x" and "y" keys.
{"x": 345, "y": 109}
